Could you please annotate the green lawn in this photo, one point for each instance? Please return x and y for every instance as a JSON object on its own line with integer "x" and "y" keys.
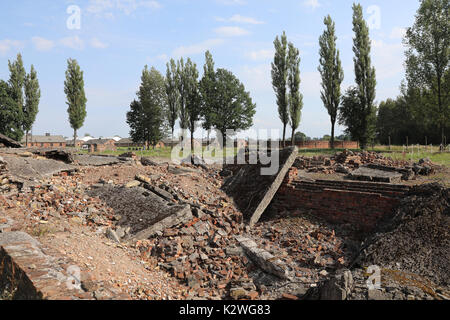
{"x": 396, "y": 152}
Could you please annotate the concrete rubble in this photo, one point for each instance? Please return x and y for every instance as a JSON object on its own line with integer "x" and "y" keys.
{"x": 211, "y": 232}
{"x": 8, "y": 142}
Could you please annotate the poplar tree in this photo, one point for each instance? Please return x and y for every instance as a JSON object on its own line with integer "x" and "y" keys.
{"x": 207, "y": 87}
{"x": 32, "y": 98}
{"x": 76, "y": 98}
{"x": 173, "y": 96}
{"x": 365, "y": 77}
{"x": 16, "y": 84}
{"x": 193, "y": 99}
{"x": 295, "y": 98}
{"x": 330, "y": 69}
{"x": 279, "y": 80}
{"x": 183, "y": 89}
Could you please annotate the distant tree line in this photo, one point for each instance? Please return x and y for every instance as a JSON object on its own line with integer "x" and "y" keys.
{"x": 21, "y": 94}
{"x": 421, "y": 114}
{"x": 218, "y": 101}
{"x": 19, "y": 100}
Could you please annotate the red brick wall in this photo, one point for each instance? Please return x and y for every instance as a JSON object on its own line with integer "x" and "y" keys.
{"x": 325, "y": 144}
{"x": 355, "y": 203}
{"x": 46, "y": 145}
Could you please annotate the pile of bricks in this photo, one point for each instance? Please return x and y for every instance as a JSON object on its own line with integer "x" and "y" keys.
{"x": 344, "y": 162}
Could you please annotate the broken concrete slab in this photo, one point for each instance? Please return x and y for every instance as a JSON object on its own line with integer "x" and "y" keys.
{"x": 148, "y": 162}
{"x": 251, "y": 191}
{"x": 8, "y": 142}
{"x": 407, "y": 173}
{"x": 144, "y": 212}
{"x": 25, "y": 170}
{"x": 375, "y": 175}
{"x": 56, "y": 154}
{"x": 98, "y": 161}
{"x": 262, "y": 258}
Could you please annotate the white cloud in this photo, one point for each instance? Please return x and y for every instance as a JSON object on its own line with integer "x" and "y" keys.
{"x": 387, "y": 58}
{"x": 232, "y": 2}
{"x": 197, "y": 48}
{"x": 313, "y": 4}
{"x": 397, "y": 33}
{"x": 231, "y": 31}
{"x": 73, "y": 43}
{"x": 7, "y": 44}
{"x": 257, "y": 78}
{"x": 42, "y": 44}
{"x": 241, "y": 19}
{"x": 96, "y": 43}
{"x": 264, "y": 54}
{"x": 105, "y": 7}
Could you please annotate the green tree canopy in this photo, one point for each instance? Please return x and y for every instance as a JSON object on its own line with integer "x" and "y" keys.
{"x": 9, "y": 113}
{"x": 279, "y": 80}
{"x": 16, "y": 84}
{"x": 173, "y": 95}
{"x": 427, "y": 60}
{"x": 365, "y": 79}
{"x": 32, "y": 98}
{"x": 207, "y": 90}
{"x": 76, "y": 98}
{"x": 147, "y": 117}
{"x": 234, "y": 109}
{"x": 193, "y": 101}
{"x": 331, "y": 72}
{"x": 295, "y": 98}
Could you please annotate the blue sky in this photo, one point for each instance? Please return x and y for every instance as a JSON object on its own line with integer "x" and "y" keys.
{"x": 118, "y": 37}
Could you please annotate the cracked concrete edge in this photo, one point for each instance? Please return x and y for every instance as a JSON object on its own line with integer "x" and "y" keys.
{"x": 184, "y": 214}
{"x": 273, "y": 188}
{"x": 265, "y": 260}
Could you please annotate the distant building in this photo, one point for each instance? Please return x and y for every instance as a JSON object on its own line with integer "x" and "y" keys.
{"x": 100, "y": 145}
{"x": 78, "y": 143}
{"x": 47, "y": 141}
{"x": 127, "y": 143}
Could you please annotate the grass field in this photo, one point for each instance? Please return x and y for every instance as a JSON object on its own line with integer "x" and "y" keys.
{"x": 413, "y": 153}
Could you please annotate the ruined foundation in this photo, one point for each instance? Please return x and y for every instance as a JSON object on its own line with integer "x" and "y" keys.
{"x": 361, "y": 204}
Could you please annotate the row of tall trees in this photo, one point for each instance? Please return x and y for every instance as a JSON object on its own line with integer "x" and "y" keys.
{"x": 218, "y": 100}
{"x": 356, "y": 109}
{"x": 286, "y": 84}
{"x": 19, "y": 100}
{"x": 421, "y": 113}
{"x": 20, "y": 97}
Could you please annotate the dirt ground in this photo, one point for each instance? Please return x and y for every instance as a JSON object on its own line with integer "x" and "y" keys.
{"x": 59, "y": 212}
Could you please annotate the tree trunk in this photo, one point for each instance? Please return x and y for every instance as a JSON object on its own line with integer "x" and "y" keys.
{"x": 171, "y": 142}
{"x": 192, "y": 145}
{"x": 332, "y": 134}
{"x": 75, "y": 138}
{"x": 293, "y": 138}
{"x": 26, "y": 139}
{"x": 284, "y": 135}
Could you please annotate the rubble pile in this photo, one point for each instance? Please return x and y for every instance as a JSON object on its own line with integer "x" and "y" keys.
{"x": 417, "y": 238}
{"x": 347, "y": 161}
{"x": 6, "y": 185}
{"x": 58, "y": 197}
{"x": 202, "y": 252}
